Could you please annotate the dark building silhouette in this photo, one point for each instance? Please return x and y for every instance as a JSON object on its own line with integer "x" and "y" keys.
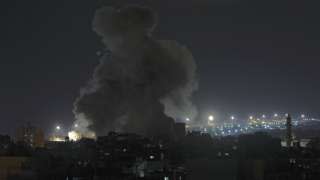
{"x": 180, "y": 130}
{"x": 289, "y": 131}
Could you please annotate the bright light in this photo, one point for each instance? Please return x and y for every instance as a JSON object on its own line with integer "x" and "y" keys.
{"x": 57, "y": 139}
{"x": 263, "y": 116}
{"x": 303, "y": 116}
{"x": 76, "y": 125}
{"x": 275, "y": 115}
{"x": 232, "y": 117}
{"x": 187, "y": 119}
{"x": 74, "y": 136}
{"x": 58, "y": 128}
{"x": 251, "y": 117}
{"x": 211, "y": 118}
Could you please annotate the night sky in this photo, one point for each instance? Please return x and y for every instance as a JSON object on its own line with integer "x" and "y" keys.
{"x": 252, "y": 56}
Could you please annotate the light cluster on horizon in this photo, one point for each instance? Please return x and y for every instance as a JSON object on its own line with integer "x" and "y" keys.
{"x": 235, "y": 126}
{"x": 230, "y": 126}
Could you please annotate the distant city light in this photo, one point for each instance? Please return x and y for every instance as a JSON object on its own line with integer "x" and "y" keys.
{"x": 211, "y": 118}
{"x": 76, "y": 125}
{"x": 254, "y": 123}
{"x": 58, "y": 128}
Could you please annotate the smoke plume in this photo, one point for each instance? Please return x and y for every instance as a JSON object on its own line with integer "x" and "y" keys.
{"x": 141, "y": 84}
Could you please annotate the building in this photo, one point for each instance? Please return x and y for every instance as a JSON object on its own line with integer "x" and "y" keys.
{"x": 30, "y": 135}
{"x": 179, "y": 130}
{"x": 289, "y": 131}
{"x": 5, "y": 142}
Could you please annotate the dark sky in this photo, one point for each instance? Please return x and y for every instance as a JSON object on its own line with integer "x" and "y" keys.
{"x": 253, "y": 56}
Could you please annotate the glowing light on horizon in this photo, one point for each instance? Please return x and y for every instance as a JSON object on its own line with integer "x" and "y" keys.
{"x": 57, "y": 139}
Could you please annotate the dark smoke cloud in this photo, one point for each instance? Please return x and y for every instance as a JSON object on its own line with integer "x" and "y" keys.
{"x": 141, "y": 84}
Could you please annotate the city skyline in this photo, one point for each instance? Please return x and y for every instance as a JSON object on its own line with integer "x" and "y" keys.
{"x": 257, "y": 58}
{"x": 160, "y": 90}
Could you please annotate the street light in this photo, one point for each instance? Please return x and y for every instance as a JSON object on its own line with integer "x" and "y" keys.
{"x": 211, "y": 118}
{"x": 58, "y": 128}
{"x": 232, "y": 118}
{"x": 275, "y": 115}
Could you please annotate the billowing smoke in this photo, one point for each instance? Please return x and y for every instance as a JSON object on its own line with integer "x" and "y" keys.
{"x": 141, "y": 84}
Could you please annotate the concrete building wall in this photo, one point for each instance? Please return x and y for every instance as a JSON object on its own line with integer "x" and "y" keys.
{"x": 30, "y": 135}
